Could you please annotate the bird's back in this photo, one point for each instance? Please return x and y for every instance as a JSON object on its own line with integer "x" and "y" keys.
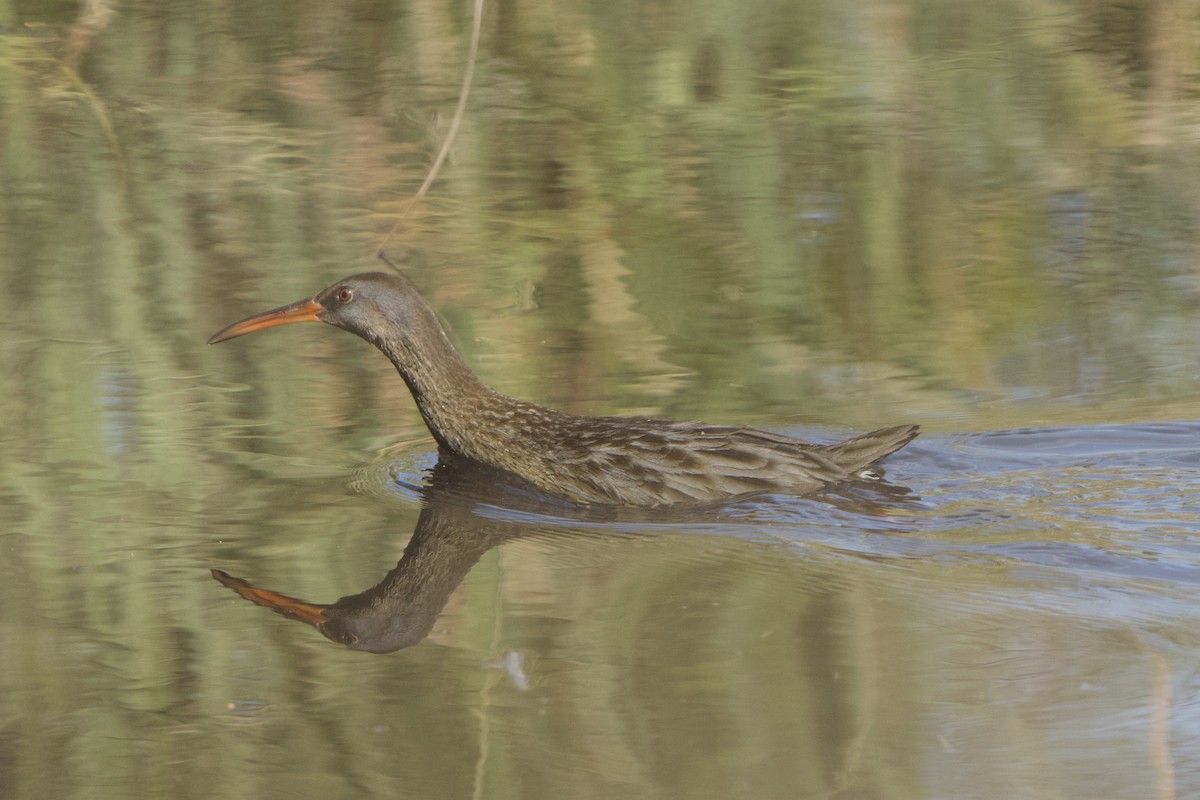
{"x": 650, "y": 462}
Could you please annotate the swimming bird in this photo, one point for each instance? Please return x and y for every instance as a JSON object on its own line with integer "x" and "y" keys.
{"x": 610, "y": 461}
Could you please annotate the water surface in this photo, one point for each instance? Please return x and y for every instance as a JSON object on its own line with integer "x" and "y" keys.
{"x": 812, "y": 217}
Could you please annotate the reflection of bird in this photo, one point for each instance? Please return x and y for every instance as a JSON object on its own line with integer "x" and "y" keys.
{"x": 630, "y": 461}
{"x": 455, "y": 528}
{"x": 401, "y": 609}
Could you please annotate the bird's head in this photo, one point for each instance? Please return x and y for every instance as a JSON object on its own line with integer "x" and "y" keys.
{"x": 368, "y": 304}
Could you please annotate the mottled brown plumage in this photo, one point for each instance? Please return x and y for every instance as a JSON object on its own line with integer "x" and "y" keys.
{"x": 626, "y": 461}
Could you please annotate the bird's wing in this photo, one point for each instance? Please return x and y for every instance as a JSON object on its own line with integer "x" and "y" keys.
{"x": 652, "y": 462}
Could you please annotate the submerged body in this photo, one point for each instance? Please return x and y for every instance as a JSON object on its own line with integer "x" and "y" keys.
{"x": 626, "y": 461}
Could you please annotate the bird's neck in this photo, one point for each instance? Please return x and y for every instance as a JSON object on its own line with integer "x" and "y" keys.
{"x": 453, "y": 401}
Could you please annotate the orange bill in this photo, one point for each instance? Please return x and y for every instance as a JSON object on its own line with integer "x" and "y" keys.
{"x": 302, "y": 311}
{"x": 289, "y": 607}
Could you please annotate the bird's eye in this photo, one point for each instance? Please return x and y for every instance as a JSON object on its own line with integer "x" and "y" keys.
{"x": 345, "y": 294}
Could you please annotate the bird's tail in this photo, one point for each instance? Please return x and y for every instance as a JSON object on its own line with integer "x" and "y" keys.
{"x": 870, "y": 448}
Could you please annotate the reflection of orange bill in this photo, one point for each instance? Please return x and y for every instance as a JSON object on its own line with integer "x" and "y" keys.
{"x": 289, "y": 607}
